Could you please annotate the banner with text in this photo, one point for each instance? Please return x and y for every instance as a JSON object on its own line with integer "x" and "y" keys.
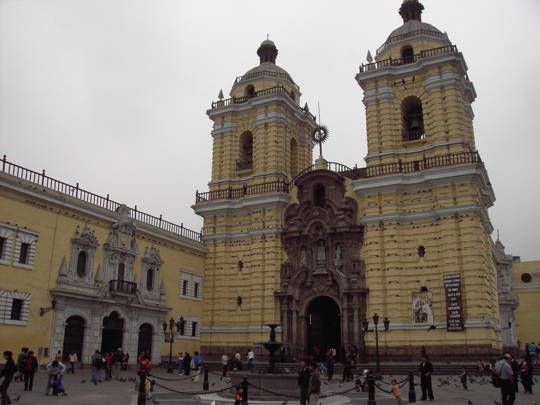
{"x": 454, "y": 307}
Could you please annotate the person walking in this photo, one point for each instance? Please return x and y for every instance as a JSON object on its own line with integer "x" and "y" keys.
{"x": 180, "y": 363}
{"x": 251, "y": 359}
{"x": 533, "y": 353}
{"x": 303, "y": 382}
{"x": 224, "y": 364}
{"x": 314, "y": 386}
{"x": 463, "y": 377}
{"x": 394, "y": 389}
{"x": 187, "y": 363}
{"x": 526, "y": 371}
{"x": 8, "y": 372}
{"x": 117, "y": 361}
{"x": 72, "y": 360}
{"x": 197, "y": 366}
{"x": 425, "y": 370}
{"x": 506, "y": 376}
{"x": 21, "y": 362}
{"x": 330, "y": 366}
{"x": 55, "y": 369}
{"x": 31, "y": 366}
{"x": 97, "y": 367}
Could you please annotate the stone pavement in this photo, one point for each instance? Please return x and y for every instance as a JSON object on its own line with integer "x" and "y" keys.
{"x": 174, "y": 389}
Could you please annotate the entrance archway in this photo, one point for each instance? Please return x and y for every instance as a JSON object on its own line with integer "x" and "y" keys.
{"x": 113, "y": 332}
{"x": 323, "y": 326}
{"x": 73, "y": 337}
{"x": 145, "y": 338}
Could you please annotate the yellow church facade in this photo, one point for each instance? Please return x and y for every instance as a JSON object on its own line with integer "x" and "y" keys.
{"x": 321, "y": 248}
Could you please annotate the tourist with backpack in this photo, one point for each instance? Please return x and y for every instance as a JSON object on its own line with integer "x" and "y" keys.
{"x": 197, "y": 363}
{"x": 97, "y": 367}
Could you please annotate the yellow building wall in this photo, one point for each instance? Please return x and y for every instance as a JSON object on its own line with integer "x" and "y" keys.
{"x": 56, "y": 218}
{"x": 527, "y": 315}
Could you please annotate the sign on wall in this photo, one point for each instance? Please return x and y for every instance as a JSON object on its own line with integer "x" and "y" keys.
{"x": 454, "y": 307}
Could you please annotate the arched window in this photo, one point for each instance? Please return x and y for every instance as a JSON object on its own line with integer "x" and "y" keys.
{"x": 150, "y": 279}
{"x": 81, "y": 264}
{"x": 319, "y": 195}
{"x": 245, "y": 155}
{"x": 407, "y": 54}
{"x": 412, "y": 119}
{"x": 250, "y": 91}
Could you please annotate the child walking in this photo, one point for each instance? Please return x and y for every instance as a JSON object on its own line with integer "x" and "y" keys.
{"x": 394, "y": 389}
{"x": 463, "y": 377}
{"x": 238, "y": 397}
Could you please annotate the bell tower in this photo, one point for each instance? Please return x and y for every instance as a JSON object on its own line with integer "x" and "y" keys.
{"x": 425, "y": 196}
{"x": 261, "y": 141}
{"x": 417, "y": 94}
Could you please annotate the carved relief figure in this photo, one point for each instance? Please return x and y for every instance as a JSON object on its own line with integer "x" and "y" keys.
{"x": 337, "y": 256}
{"x": 321, "y": 255}
{"x": 303, "y": 258}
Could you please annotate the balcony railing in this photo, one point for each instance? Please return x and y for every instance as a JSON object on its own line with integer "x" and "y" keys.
{"x": 413, "y": 135}
{"x": 122, "y": 286}
{"x": 262, "y": 93}
{"x": 94, "y": 199}
{"x": 266, "y": 73}
{"x": 351, "y": 173}
{"x": 410, "y": 35}
{"x": 408, "y": 59}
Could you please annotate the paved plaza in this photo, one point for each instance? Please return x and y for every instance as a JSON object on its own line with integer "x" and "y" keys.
{"x": 181, "y": 390}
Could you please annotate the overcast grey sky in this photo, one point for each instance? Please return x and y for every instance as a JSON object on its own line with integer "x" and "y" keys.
{"x": 113, "y": 94}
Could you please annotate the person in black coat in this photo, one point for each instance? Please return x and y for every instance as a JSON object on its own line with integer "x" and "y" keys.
{"x": 187, "y": 363}
{"x": 30, "y": 367}
{"x": 425, "y": 370}
{"x": 8, "y": 372}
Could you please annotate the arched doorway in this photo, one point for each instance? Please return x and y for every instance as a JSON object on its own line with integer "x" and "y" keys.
{"x": 73, "y": 337}
{"x": 145, "y": 338}
{"x": 113, "y": 332}
{"x": 323, "y": 325}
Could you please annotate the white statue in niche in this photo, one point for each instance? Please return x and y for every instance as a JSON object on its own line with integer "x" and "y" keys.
{"x": 321, "y": 254}
{"x": 337, "y": 256}
{"x": 303, "y": 258}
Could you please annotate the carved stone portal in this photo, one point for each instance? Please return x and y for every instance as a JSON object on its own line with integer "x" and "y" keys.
{"x": 322, "y": 240}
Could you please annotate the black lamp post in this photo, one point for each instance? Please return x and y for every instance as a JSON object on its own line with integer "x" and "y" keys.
{"x": 169, "y": 336}
{"x": 377, "y": 333}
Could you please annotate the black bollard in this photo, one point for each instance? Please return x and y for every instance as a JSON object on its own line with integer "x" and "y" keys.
{"x": 371, "y": 389}
{"x": 245, "y": 391}
{"x": 205, "y": 383}
{"x": 412, "y": 392}
{"x": 141, "y": 400}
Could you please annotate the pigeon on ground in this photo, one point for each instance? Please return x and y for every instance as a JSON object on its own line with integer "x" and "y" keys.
{"x": 83, "y": 381}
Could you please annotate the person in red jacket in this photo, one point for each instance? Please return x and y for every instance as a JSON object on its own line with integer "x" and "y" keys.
{"x": 30, "y": 367}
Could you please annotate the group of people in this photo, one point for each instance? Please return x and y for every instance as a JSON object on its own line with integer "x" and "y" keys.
{"x": 111, "y": 362}
{"x": 186, "y": 363}
{"x": 234, "y": 363}
{"x": 507, "y": 370}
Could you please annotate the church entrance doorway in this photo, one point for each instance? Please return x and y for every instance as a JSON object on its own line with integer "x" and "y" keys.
{"x": 145, "y": 338}
{"x": 73, "y": 337}
{"x": 113, "y": 332}
{"x": 323, "y": 326}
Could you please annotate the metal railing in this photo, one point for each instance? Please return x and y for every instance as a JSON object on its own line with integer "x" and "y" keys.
{"x": 410, "y": 35}
{"x": 243, "y": 165}
{"x": 122, "y": 286}
{"x": 407, "y": 59}
{"x": 351, "y": 173}
{"x": 104, "y": 202}
{"x": 267, "y": 73}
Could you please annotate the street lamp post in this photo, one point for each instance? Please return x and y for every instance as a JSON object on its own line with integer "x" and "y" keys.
{"x": 377, "y": 333}
{"x": 169, "y": 336}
